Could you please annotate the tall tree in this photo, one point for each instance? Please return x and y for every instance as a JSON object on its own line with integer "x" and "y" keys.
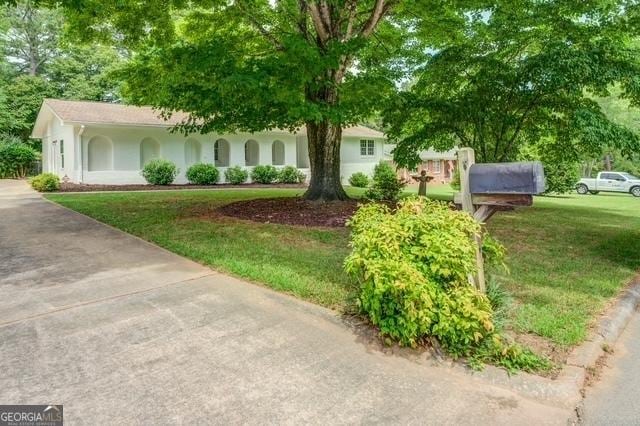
{"x": 251, "y": 65}
{"x": 522, "y": 72}
{"x": 31, "y": 35}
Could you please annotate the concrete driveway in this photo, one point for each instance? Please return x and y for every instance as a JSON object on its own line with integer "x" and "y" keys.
{"x": 123, "y": 332}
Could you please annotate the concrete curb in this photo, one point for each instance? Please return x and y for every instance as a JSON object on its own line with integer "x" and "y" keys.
{"x": 566, "y": 389}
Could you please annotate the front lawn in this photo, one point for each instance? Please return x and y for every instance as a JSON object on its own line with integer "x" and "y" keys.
{"x": 568, "y": 255}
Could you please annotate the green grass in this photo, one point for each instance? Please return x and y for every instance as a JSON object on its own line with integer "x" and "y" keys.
{"x": 568, "y": 256}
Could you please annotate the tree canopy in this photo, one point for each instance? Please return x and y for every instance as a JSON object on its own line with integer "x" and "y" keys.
{"x": 40, "y": 61}
{"x": 251, "y": 65}
{"x": 520, "y": 73}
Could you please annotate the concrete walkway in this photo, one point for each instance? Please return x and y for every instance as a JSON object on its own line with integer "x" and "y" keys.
{"x": 614, "y": 399}
{"x": 120, "y": 331}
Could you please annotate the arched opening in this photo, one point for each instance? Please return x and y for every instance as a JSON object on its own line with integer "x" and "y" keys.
{"x": 251, "y": 153}
{"x": 100, "y": 154}
{"x": 277, "y": 153}
{"x": 192, "y": 152}
{"x": 221, "y": 153}
{"x": 149, "y": 150}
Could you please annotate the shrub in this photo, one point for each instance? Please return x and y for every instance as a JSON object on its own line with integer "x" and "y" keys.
{"x": 413, "y": 267}
{"x": 359, "y": 180}
{"x": 16, "y": 158}
{"x": 455, "y": 181}
{"x": 264, "y": 174}
{"x": 236, "y": 175}
{"x": 160, "y": 172}
{"x": 290, "y": 174}
{"x": 45, "y": 182}
{"x": 386, "y": 185}
{"x": 203, "y": 174}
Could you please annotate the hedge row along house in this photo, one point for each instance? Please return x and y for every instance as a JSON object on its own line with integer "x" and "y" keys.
{"x": 104, "y": 143}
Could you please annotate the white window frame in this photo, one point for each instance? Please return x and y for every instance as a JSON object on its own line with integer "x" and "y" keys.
{"x": 437, "y": 166}
{"x": 367, "y": 148}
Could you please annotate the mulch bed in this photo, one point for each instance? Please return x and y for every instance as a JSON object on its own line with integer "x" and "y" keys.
{"x": 80, "y": 187}
{"x": 292, "y": 211}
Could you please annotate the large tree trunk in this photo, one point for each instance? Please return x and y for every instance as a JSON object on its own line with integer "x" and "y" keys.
{"x": 324, "y": 156}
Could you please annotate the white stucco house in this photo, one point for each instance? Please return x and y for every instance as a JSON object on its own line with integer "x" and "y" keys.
{"x": 103, "y": 143}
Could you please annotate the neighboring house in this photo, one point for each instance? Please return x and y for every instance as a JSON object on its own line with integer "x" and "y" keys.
{"x": 440, "y": 165}
{"x": 103, "y": 143}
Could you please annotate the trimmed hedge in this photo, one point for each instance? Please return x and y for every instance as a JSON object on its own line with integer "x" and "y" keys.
{"x": 264, "y": 174}
{"x": 236, "y": 175}
{"x": 290, "y": 174}
{"x": 160, "y": 172}
{"x": 359, "y": 180}
{"x": 203, "y": 174}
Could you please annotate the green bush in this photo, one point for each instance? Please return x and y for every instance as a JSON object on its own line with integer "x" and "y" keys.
{"x": 359, "y": 180}
{"x": 236, "y": 175}
{"x": 45, "y": 182}
{"x": 413, "y": 266}
{"x": 160, "y": 172}
{"x": 264, "y": 174}
{"x": 455, "y": 180}
{"x": 386, "y": 185}
{"x": 16, "y": 158}
{"x": 290, "y": 174}
{"x": 203, "y": 174}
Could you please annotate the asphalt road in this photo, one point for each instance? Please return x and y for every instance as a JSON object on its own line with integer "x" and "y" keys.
{"x": 615, "y": 399}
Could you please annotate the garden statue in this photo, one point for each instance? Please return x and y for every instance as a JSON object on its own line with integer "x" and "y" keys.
{"x": 423, "y": 179}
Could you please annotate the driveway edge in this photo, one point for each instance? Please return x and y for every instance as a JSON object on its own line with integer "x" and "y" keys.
{"x": 567, "y": 389}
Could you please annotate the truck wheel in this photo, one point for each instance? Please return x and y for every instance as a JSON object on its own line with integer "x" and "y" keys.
{"x": 594, "y": 192}
{"x": 582, "y": 189}
{"x": 635, "y": 191}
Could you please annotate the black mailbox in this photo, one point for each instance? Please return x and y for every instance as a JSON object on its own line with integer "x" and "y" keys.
{"x": 507, "y": 178}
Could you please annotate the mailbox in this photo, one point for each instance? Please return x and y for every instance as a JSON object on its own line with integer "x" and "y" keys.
{"x": 507, "y": 178}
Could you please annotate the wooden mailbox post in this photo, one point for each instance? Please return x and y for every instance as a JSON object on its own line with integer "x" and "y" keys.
{"x": 501, "y": 186}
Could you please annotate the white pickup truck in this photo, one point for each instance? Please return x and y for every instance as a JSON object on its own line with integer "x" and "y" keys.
{"x": 610, "y": 182}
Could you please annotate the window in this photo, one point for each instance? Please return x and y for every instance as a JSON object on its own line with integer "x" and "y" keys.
{"x": 367, "y": 148}
{"x": 61, "y": 153}
{"x": 437, "y": 166}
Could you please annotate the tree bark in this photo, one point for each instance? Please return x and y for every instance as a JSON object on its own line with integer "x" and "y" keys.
{"x": 324, "y": 157}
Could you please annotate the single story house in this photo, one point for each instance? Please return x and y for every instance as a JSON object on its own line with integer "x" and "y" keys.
{"x": 439, "y": 164}
{"x": 104, "y": 143}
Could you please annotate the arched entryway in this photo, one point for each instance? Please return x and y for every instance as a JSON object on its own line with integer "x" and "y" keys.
{"x": 192, "y": 152}
{"x": 251, "y": 153}
{"x": 277, "y": 153}
{"x": 149, "y": 150}
{"x": 221, "y": 153}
